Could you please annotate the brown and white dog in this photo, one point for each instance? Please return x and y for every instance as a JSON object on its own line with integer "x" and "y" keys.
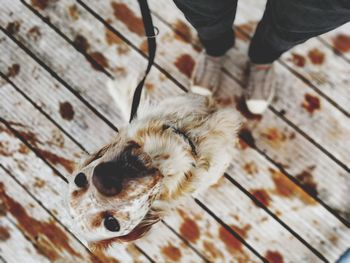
{"x": 171, "y": 150}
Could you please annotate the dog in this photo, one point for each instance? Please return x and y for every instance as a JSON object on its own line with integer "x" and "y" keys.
{"x": 173, "y": 149}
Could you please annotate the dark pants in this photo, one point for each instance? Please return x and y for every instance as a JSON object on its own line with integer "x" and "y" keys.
{"x": 285, "y": 24}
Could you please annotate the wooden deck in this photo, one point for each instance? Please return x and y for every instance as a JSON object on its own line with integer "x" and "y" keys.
{"x": 286, "y": 197}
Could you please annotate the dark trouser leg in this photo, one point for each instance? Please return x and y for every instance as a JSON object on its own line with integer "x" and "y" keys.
{"x": 213, "y": 21}
{"x": 287, "y": 23}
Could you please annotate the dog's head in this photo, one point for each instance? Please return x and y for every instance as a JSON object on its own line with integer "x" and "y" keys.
{"x": 111, "y": 195}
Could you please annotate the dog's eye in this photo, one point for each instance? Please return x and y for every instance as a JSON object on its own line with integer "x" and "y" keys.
{"x": 111, "y": 224}
{"x": 80, "y": 180}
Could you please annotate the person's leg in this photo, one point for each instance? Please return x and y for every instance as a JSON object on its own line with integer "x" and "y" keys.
{"x": 213, "y": 21}
{"x": 285, "y": 24}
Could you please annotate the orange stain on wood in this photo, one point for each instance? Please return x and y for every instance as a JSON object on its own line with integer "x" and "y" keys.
{"x": 213, "y": 252}
{"x": 275, "y": 136}
{"x": 316, "y": 56}
{"x": 190, "y": 230}
{"x": 73, "y": 12}
{"x": 66, "y": 111}
{"x": 123, "y": 13}
{"x": 298, "y": 60}
{"x": 185, "y": 32}
{"x": 34, "y": 33}
{"x": 306, "y": 180}
{"x": 49, "y": 239}
{"x": 171, "y": 252}
{"x": 250, "y": 168}
{"x": 41, "y": 4}
{"x": 13, "y": 70}
{"x": 263, "y": 196}
{"x": 274, "y": 257}
{"x": 232, "y": 243}
{"x": 55, "y": 159}
{"x": 288, "y": 189}
{"x": 100, "y": 59}
{"x": 185, "y": 64}
{"x": 111, "y": 38}
{"x": 311, "y": 103}
{"x": 342, "y": 43}
{"x": 4, "y": 233}
{"x": 13, "y": 27}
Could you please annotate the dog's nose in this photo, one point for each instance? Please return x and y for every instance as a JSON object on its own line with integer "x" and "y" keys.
{"x": 107, "y": 180}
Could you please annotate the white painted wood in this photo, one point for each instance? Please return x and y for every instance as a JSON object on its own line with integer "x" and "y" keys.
{"x": 51, "y": 240}
{"x": 290, "y": 98}
{"x": 12, "y": 237}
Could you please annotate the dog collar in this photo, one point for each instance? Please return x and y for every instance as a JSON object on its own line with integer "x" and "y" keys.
{"x": 183, "y": 135}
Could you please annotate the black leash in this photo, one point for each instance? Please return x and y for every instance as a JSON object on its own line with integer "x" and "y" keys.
{"x": 152, "y": 46}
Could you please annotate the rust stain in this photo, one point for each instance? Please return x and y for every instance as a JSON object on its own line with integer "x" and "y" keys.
{"x": 99, "y": 256}
{"x": 149, "y": 87}
{"x": 274, "y": 257}
{"x": 34, "y": 33}
{"x": 39, "y": 183}
{"x": 66, "y": 111}
{"x": 306, "y": 180}
{"x": 123, "y": 13}
{"x": 212, "y": 250}
{"x": 112, "y": 38}
{"x": 100, "y": 59}
{"x": 298, "y": 60}
{"x": 286, "y": 188}
{"x": 232, "y": 243}
{"x": 185, "y": 64}
{"x": 41, "y": 4}
{"x": 316, "y": 56}
{"x": 263, "y": 196}
{"x": 13, "y": 70}
{"x": 13, "y": 27}
{"x": 81, "y": 43}
{"x": 250, "y": 168}
{"x": 342, "y": 43}
{"x": 55, "y": 159}
{"x": 4, "y": 233}
{"x": 49, "y": 239}
{"x": 171, "y": 252}
{"x": 4, "y": 151}
{"x": 73, "y": 12}
{"x": 311, "y": 103}
{"x": 275, "y": 136}
{"x": 189, "y": 230}
{"x": 23, "y": 149}
{"x": 246, "y": 138}
{"x": 185, "y": 32}
{"x": 241, "y": 106}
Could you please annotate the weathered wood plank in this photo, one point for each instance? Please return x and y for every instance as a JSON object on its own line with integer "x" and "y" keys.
{"x": 339, "y": 40}
{"x": 48, "y": 101}
{"x": 306, "y": 121}
{"x": 294, "y": 96}
{"x": 40, "y": 140}
{"x": 313, "y": 61}
{"x": 51, "y": 240}
{"x": 273, "y": 226}
{"x": 42, "y": 181}
{"x": 11, "y": 237}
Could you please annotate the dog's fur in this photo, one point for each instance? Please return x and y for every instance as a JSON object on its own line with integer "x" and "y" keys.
{"x": 164, "y": 166}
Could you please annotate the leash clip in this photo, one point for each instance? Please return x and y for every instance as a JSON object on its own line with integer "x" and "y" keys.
{"x": 155, "y": 34}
